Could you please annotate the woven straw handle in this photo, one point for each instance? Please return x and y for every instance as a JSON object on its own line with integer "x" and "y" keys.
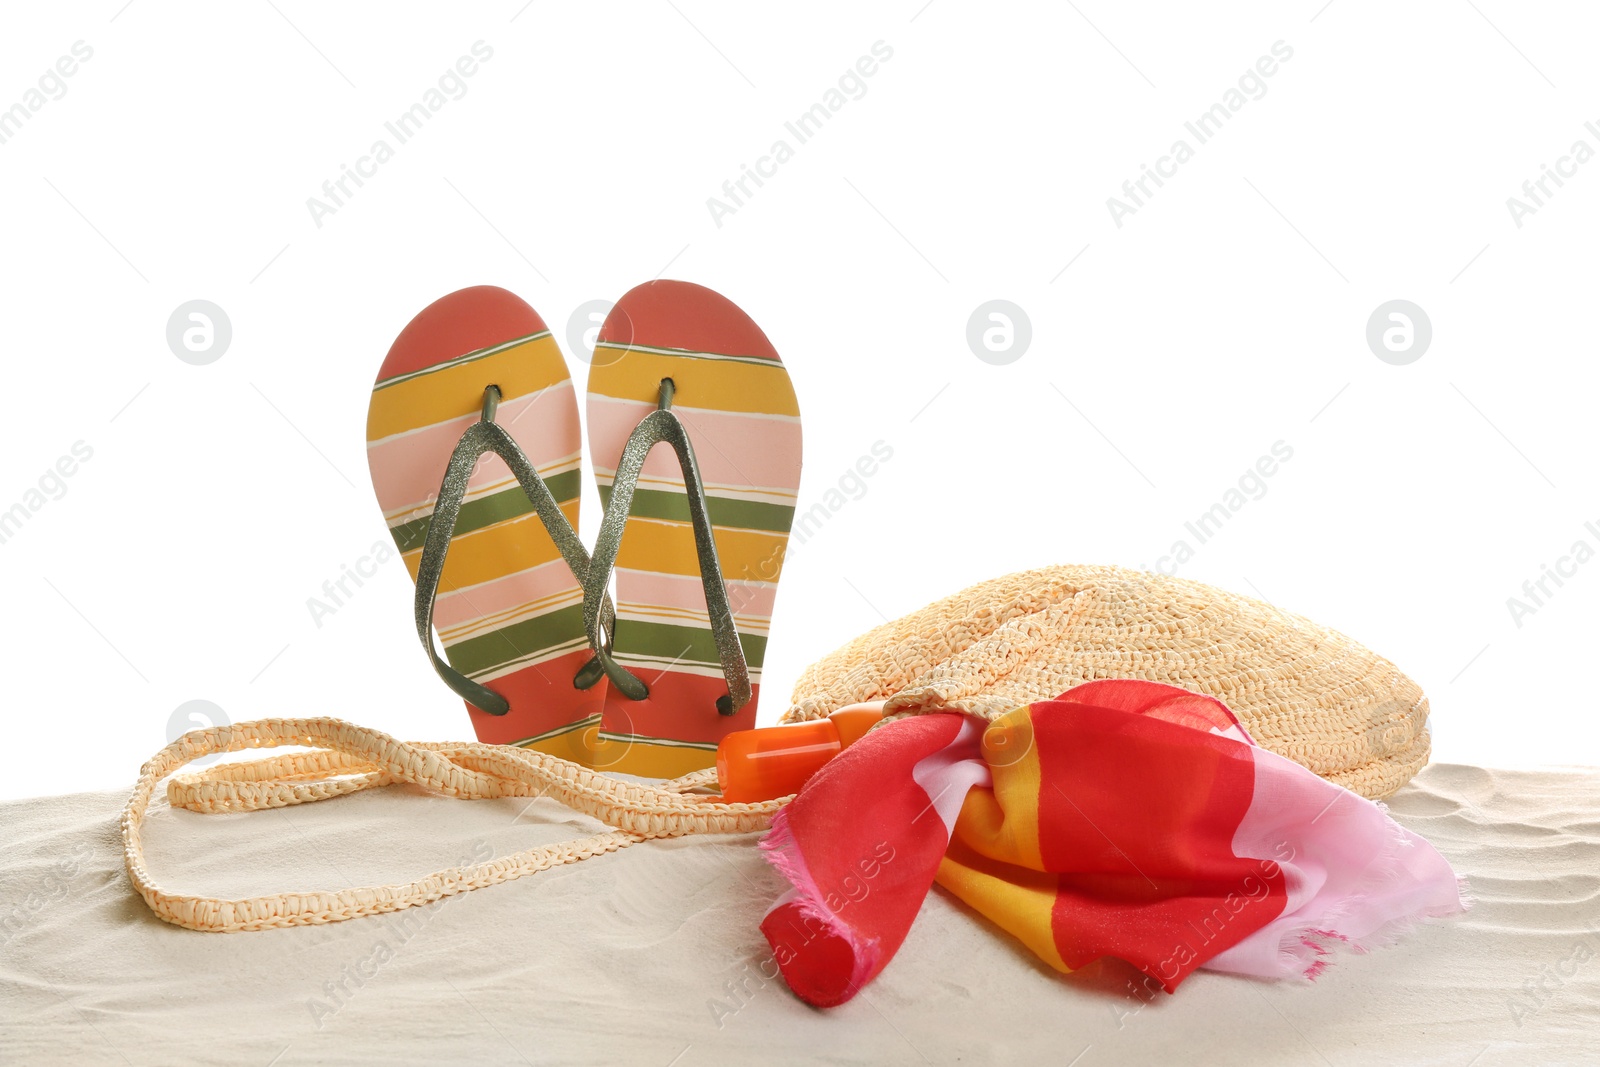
{"x": 346, "y": 759}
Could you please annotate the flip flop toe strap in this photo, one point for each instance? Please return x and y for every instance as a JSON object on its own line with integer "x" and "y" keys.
{"x": 663, "y": 425}
{"x": 484, "y": 436}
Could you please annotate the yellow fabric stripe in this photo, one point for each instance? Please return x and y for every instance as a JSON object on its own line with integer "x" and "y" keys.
{"x": 701, "y": 383}
{"x": 495, "y": 551}
{"x": 454, "y": 391}
{"x": 1011, "y": 835}
{"x": 668, "y": 548}
{"x": 994, "y": 862}
{"x": 1017, "y": 900}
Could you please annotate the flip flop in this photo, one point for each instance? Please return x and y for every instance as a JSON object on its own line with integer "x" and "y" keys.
{"x": 474, "y": 447}
{"x": 696, "y": 532}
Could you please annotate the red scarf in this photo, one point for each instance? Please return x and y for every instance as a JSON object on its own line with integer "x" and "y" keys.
{"x": 1124, "y": 818}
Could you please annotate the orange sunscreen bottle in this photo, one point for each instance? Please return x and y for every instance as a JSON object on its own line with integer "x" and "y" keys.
{"x": 775, "y": 761}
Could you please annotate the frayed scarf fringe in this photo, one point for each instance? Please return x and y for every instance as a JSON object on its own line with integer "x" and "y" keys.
{"x": 1307, "y": 947}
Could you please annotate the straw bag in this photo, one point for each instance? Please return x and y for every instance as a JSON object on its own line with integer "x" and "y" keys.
{"x": 1303, "y": 691}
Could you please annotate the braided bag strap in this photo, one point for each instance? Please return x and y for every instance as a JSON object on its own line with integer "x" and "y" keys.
{"x": 344, "y": 759}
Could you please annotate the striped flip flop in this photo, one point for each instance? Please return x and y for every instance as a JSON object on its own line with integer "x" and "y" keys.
{"x": 474, "y": 446}
{"x": 695, "y": 531}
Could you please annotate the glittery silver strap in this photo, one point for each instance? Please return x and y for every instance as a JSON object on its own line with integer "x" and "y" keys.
{"x": 488, "y": 436}
{"x": 663, "y": 425}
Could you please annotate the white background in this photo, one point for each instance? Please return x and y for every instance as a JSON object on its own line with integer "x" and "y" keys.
{"x": 1227, "y": 314}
